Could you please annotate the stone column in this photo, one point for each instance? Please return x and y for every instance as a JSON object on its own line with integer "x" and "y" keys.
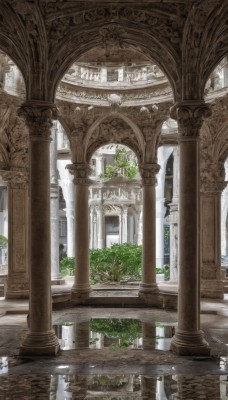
{"x": 210, "y": 230}
{"x": 66, "y": 183}
{"x": 100, "y": 227}
{"x": 124, "y": 222}
{"x": 189, "y": 339}
{"x": 18, "y": 277}
{"x": 174, "y": 220}
{"x": 91, "y": 229}
{"x": 148, "y": 173}
{"x": 54, "y": 191}
{"x": 163, "y": 155}
{"x": 140, "y": 223}
{"x": 81, "y": 287}
{"x": 41, "y": 339}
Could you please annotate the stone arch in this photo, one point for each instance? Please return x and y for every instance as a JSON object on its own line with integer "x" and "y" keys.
{"x": 138, "y": 146}
{"x": 213, "y": 44}
{"x": 163, "y": 54}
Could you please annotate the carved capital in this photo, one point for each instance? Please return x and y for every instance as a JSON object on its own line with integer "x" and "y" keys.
{"x": 15, "y": 179}
{"x": 212, "y": 176}
{"x": 190, "y": 118}
{"x": 38, "y": 116}
{"x": 81, "y": 173}
{"x": 148, "y": 173}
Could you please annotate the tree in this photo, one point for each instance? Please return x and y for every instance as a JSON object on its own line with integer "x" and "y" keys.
{"x": 122, "y": 166}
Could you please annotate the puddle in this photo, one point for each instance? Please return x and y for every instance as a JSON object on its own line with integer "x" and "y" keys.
{"x": 114, "y": 333}
{"x": 3, "y": 365}
{"x": 113, "y": 387}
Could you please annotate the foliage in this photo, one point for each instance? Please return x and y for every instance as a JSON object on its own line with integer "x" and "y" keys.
{"x": 165, "y": 269}
{"x": 67, "y": 266}
{"x": 126, "y": 330}
{"x": 120, "y": 261}
{"x": 3, "y": 241}
{"x": 113, "y": 264}
{"x": 121, "y": 166}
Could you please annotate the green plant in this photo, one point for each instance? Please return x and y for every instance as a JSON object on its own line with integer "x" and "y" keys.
{"x": 121, "y": 166}
{"x": 67, "y": 266}
{"x": 113, "y": 264}
{"x": 165, "y": 269}
{"x": 120, "y": 261}
{"x": 125, "y": 329}
{"x": 3, "y": 241}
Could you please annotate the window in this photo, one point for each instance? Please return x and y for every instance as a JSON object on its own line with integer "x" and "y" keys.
{"x": 112, "y": 75}
{"x": 62, "y": 228}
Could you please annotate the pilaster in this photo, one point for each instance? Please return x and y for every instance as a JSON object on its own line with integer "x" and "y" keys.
{"x": 18, "y": 277}
{"x": 212, "y": 185}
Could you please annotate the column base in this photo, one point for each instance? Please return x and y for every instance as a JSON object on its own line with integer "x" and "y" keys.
{"x": 189, "y": 343}
{"x": 80, "y": 291}
{"x": 145, "y": 288}
{"x": 58, "y": 281}
{"x": 211, "y": 289}
{"x": 12, "y": 291}
{"x": 40, "y": 344}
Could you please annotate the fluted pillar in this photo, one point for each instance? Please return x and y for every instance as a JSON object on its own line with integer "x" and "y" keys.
{"x": 41, "y": 339}
{"x": 18, "y": 277}
{"x": 189, "y": 339}
{"x": 81, "y": 287}
{"x": 148, "y": 173}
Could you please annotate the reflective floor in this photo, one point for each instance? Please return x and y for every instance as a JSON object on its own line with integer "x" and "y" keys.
{"x": 113, "y": 354}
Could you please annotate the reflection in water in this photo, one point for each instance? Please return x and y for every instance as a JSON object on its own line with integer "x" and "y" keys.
{"x": 3, "y": 365}
{"x": 118, "y": 387}
{"x": 115, "y": 333}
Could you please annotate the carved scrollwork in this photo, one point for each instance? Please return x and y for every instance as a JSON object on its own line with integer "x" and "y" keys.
{"x": 81, "y": 172}
{"x": 148, "y": 173}
{"x": 112, "y": 35}
{"x": 38, "y": 117}
{"x": 190, "y": 118}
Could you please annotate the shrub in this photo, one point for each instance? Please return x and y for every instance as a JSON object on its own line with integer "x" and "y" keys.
{"x": 113, "y": 264}
{"x": 120, "y": 261}
{"x": 67, "y": 266}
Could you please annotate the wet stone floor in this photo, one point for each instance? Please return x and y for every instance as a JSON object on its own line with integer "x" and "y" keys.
{"x": 113, "y": 354}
